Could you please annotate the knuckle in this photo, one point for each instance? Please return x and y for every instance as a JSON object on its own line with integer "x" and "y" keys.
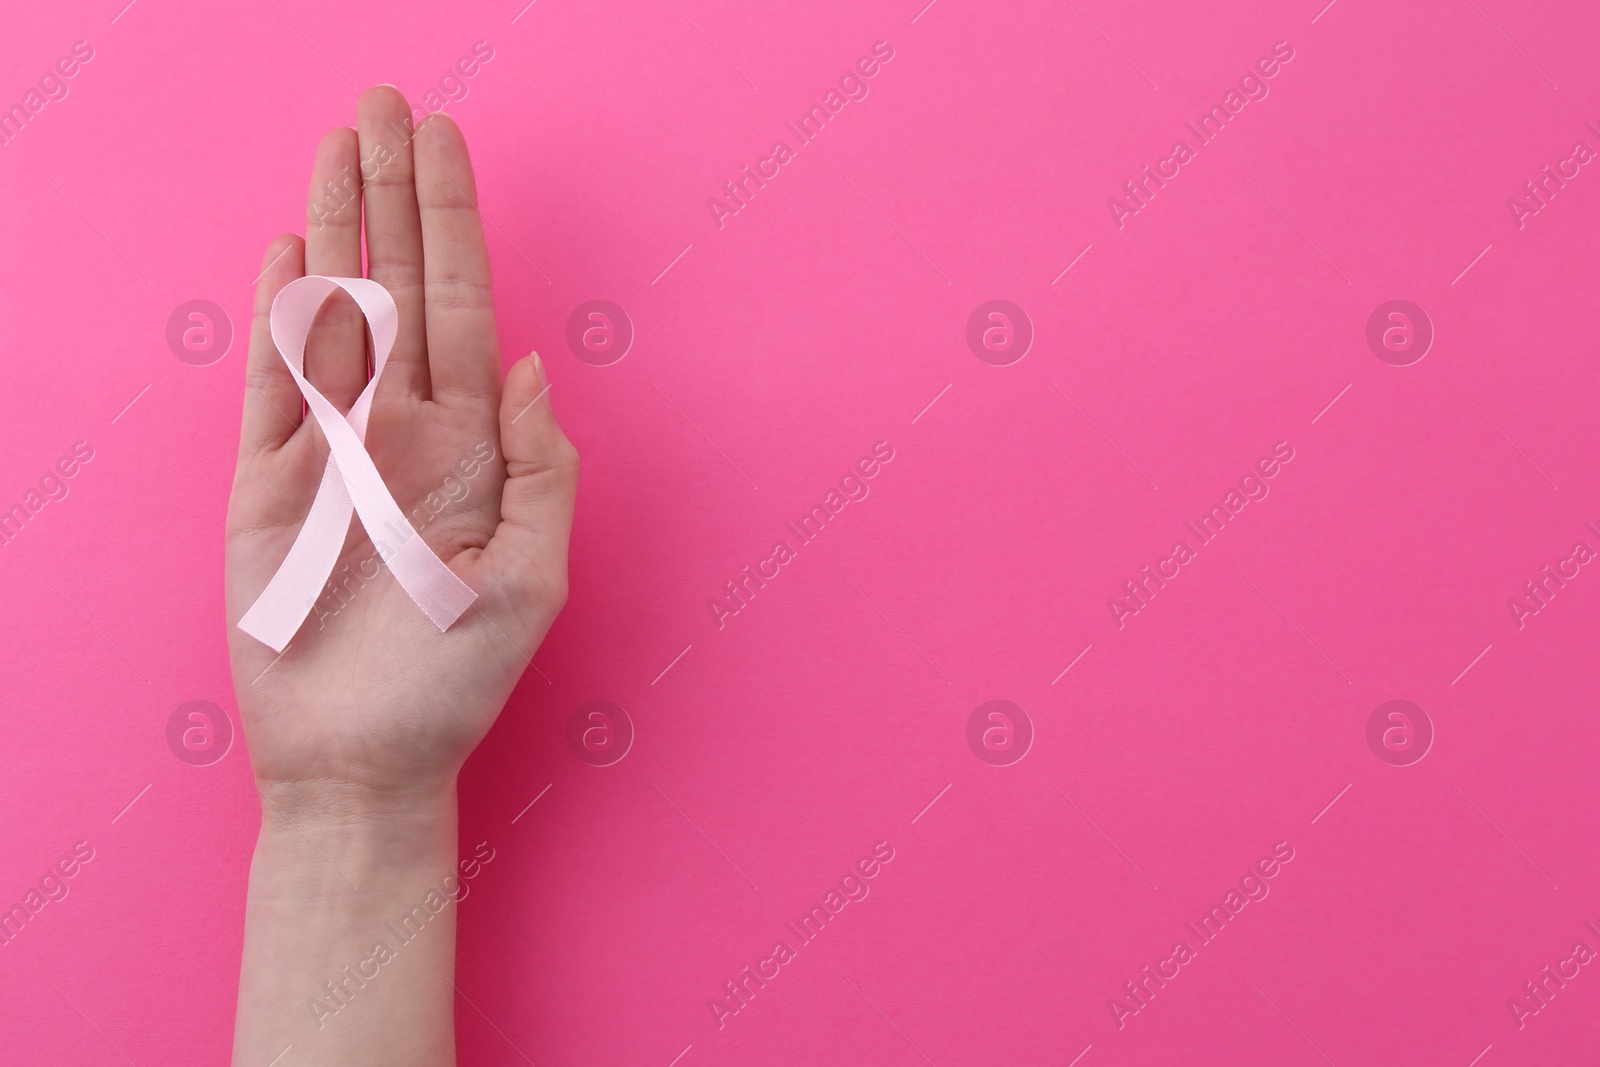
{"x": 391, "y": 261}
{"x": 262, "y": 376}
{"x": 556, "y": 463}
{"x": 444, "y": 196}
{"x": 459, "y": 293}
{"x": 569, "y": 461}
{"x": 393, "y": 174}
{"x": 345, "y": 216}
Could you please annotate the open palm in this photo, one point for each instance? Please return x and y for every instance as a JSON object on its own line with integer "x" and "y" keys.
{"x": 369, "y": 696}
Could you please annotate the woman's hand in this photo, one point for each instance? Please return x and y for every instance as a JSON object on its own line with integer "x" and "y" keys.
{"x": 370, "y": 703}
{"x": 357, "y": 731}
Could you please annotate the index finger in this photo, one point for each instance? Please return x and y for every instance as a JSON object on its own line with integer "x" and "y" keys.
{"x": 272, "y": 410}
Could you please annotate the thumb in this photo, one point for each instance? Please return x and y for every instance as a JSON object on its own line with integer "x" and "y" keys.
{"x": 528, "y": 552}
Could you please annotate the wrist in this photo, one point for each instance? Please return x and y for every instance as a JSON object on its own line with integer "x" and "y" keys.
{"x": 351, "y": 924}
{"x": 340, "y": 847}
{"x": 335, "y": 836}
{"x": 338, "y": 803}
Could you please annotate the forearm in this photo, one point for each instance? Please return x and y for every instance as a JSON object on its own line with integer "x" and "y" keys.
{"x": 349, "y": 947}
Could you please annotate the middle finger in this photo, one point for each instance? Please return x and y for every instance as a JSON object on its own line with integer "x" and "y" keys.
{"x": 394, "y": 234}
{"x": 336, "y": 349}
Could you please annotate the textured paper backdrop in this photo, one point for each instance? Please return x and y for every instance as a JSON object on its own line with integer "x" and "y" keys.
{"x": 1170, "y": 350}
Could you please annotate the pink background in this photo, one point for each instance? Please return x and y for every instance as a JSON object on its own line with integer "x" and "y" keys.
{"x": 822, "y": 318}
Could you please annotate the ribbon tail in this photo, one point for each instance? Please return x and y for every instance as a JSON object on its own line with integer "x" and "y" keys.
{"x": 283, "y": 605}
{"x": 431, "y": 583}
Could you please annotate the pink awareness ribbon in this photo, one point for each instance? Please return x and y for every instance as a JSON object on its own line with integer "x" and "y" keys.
{"x": 350, "y": 481}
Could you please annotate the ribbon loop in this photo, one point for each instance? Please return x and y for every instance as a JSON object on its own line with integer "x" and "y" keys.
{"x": 350, "y": 481}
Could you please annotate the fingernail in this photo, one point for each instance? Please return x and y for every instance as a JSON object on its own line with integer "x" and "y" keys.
{"x": 538, "y": 365}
